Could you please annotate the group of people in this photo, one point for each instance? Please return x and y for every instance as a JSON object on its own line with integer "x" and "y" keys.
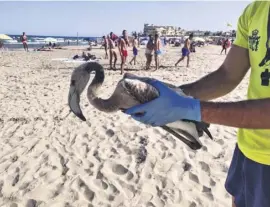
{"x": 85, "y": 57}
{"x": 111, "y": 41}
{"x": 110, "y": 44}
{"x": 153, "y": 48}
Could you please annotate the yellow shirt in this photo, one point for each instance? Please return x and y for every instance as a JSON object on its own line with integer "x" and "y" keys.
{"x": 252, "y": 34}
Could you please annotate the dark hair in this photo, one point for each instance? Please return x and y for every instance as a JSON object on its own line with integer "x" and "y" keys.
{"x": 191, "y": 35}
{"x": 124, "y": 31}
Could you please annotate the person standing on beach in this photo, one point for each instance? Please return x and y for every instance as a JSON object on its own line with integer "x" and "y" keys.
{"x": 186, "y": 50}
{"x": 248, "y": 178}
{"x": 122, "y": 46}
{"x": 149, "y": 52}
{"x": 105, "y": 46}
{"x": 225, "y": 45}
{"x": 157, "y": 50}
{"x": 24, "y": 41}
{"x": 112, "y": 52}
{"x": 135, "y": 44}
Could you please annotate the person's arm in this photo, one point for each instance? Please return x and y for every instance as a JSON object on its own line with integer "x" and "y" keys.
{"x": 128, "y": 43}
{"x": 119, "y": 46}
{"x": 251, "y": 114}
{"x": 223, "y": 80}
{"x": 188, "y": 45}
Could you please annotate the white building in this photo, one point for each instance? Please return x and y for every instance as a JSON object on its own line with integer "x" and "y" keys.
{"x": 162, "y": 30}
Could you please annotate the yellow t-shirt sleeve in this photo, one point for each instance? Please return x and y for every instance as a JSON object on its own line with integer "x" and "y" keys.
{"x": 242, "y": 30}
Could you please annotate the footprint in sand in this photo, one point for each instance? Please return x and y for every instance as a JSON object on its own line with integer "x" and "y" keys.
{"x": 101, "y": 184}
{"x": 186, "y": 166}
{"x": 150, "y": 204}
{"x": 31, "y": 203}
{"x": 205, "y": 167}
{"x": 193, "y": 177}
{"x": 220, "y": 141}
{"x": 212, "y": 182}
{"x": 141, "y": 155}
{"x": 204, "y": 148}
{"x": 119, "y": 169}
{"x": 1, "y": 187}
{"x": 110, "y": 133}
{"x": 17, "y": 177}
{"x": 130, "y": 176}
{"x": 85, "y": 190}
{"x": 206, "y": 189}
{"x": 193, "y": 204}
{"x": 208, "y": 193}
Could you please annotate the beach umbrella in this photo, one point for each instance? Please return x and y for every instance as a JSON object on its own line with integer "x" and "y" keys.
{"x": 5, "y": 37}
{"x": 50, "y": 39}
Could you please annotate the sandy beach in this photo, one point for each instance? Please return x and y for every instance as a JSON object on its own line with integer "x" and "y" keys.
{"x": 48, "y": 157}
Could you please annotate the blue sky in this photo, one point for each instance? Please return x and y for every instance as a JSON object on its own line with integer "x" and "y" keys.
{"x": 98, "y": 18}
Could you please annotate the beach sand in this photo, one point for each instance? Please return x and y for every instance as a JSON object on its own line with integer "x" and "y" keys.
{"x": 49, "y": 157}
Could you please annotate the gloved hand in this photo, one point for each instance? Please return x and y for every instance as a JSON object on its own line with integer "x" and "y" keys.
{"x": 167, "y": 108}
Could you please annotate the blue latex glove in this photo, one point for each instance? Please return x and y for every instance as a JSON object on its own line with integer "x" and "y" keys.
{"x": 167, "y": 108}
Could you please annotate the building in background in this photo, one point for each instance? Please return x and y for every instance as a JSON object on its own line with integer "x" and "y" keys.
{"x": 162, "y": 30}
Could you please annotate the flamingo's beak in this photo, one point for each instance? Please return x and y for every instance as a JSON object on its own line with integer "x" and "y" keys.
{"x": 74, "y": 102}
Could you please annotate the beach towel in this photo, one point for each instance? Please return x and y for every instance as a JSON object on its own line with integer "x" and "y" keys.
{"x": 70, "y": 60}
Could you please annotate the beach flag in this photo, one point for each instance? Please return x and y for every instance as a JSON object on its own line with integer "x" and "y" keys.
{"x": 229, "y": 25}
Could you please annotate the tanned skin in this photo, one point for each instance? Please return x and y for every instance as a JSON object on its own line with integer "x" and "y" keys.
{"x": 222, "y": 81}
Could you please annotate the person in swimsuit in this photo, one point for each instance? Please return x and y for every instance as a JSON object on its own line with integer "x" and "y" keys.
{"x": 148, "y": 52}
{"x": 122, "y": 46}
{"x": 105, "y": 46}
{"x": 185, "y": 50}
{"x": 24, "y": 41}
{"x": 112, "y": 51}
{"x": 157, "y": 50}
{"x": 225, "y": 45}
{"x": 135, "y": 44}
